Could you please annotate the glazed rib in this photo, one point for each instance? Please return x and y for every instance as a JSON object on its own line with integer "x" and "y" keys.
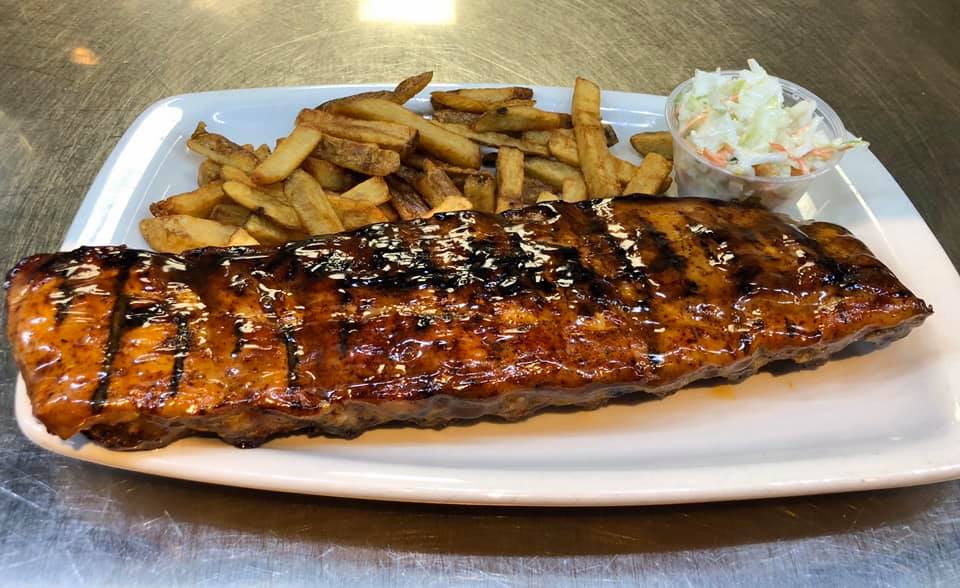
{"x": 455, "y": 317}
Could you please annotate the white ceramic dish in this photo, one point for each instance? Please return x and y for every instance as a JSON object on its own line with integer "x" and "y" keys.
{"x": 884, "y": 419}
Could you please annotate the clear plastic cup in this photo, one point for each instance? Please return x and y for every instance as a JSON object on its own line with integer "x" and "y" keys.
{"x": 696, "y": 176}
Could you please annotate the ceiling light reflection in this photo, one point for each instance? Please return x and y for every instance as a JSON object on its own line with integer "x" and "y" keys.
{"x": 433, "y": 12}
{"x": 84, "y": 56}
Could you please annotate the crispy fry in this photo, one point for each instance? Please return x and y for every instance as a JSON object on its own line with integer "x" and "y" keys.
{"x": 355, "y": 213}
{"x": 419, "y": 161}
{"x": 434, "y": 139}
{"x": 199, "y": 202}
{"x": 660, "y": 142}
{"x": 306, "y": 197}
{"x": 268, "y": 232}
{"x": 262, "y": 152}
{"x": 598, "y": 170}
{"x": 257, "y": 201}
{"x": 521, "y": 118}
{"x": 547, "y": 197}
{"x": 481, "y": 191}
{"x": 220, "y": 149}
{"x": 405, "y": 200}
{"x": 455, "y": 117}
{"x": 373, "y": 191}
{"x": 538, "y": 137}
{"x": 551, "y": 172}
{"x": 457, "y": 101}
{"x": 498, "y": 140}
{"x": 330, "y": 105}
{"x": 230, "y": 214}
{"x": 228, "y": 173}
{"x": 411, "y": 86}
{"x": 563, "y": 147}
{"x": 435, "y": 185}
{"x": 208, "y": 171}
{"x": 287, "y": 156}
{"x": 387, "y": 135}
{"x": 479, "y": 99}
{"x": 532, "y": 187}
{"x": 179, "y": 232}
{"x": 509, "y": 179}
{"x": 650, "y": 176}
{"x": 611, "y": 135}
{"x": 451, "y": 204}
{"x": 365, "y": 158}
{"x": 330, "y": 175}
{"x": 573, "y": 190}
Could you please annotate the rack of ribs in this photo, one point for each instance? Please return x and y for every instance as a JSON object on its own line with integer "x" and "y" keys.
{"x": 460, "y": 316}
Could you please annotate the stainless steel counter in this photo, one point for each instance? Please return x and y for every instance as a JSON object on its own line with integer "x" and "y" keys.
{"x": 74, "y": 75}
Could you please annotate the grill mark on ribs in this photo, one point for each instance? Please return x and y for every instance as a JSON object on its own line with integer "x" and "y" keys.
{"x": 427, "y": 321}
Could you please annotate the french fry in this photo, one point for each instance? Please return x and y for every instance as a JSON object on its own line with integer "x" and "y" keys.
{"x": 179, "y": 232}
{"x": 269, "y": 233}
{"x": 455, "y": 101}
{"x": 389, "y": 212}
{"x": 611, "y": 135}
{"x": 287, "y": 156}
{"x": 435, "y": 185}
{"x": 365, "y": 158}
{"x": 355, "y": 213}
{"x": 497, "y": 140}
{"x": 306, "y": 197}
{"x": 387, "y": 135}
{"x": 230, "y": 214}
{"x": 434, "y": 139}
{"x": 220, "y": 149}
{"x": 538, "y": 137}
{"x": 451, "y": 204}
{"x": 521, "y": 118}
{"x": 208, "y": 171}
{"x": 373, "y": 192}
{"x": 650, "y": 176}
{"x": 573, "y": 190}
{"x": 598, "y": 171}
{"x": 257, "y": 201}
{"x": 405, "y": 200}
{"x": 563, "y": 147}
{"x": 481, "y": 191}
{"x": 479, "y": 99}
{"x": 547, "y": 197}
{"x": 330, "y": 175}
{"x": 419, "y": 161}
{"x": 551, "y": 172}
{"x": 262, "y": 152}
{"x": 456, "y": 117}
{"x": 532, "y": 188}
{"x": 228, "y": 173}
{"x": 509, "y": 179}
{"x": 199, "y": 202}
{"x": 660, "y": 142}
{"x": 411, "y": 86}
{"x": 330, "y": 105}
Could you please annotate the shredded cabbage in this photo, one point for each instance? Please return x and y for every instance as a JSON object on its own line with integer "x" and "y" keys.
{"x": 741, "y": 123}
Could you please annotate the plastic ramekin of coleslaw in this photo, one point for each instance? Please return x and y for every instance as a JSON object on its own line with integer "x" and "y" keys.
{"x": 748, "y": 135}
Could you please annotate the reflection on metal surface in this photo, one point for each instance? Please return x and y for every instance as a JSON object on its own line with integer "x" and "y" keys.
{"x": 435, "y": 12}
{"x": 84, "y": 56}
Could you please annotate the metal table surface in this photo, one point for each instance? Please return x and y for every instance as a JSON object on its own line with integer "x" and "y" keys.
{"x": 75, "y": 75}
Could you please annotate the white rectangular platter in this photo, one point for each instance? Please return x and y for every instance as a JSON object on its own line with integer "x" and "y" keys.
{"x": 882, "y": 419}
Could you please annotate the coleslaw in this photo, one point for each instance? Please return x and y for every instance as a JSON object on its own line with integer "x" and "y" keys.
{"x": 740, "y": 123}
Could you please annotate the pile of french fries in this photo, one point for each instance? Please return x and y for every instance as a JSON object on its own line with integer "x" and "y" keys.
{"x": 366, "y": 159}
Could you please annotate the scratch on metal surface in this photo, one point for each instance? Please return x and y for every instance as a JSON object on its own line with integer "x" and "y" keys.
{"x": 19, "y": 498}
